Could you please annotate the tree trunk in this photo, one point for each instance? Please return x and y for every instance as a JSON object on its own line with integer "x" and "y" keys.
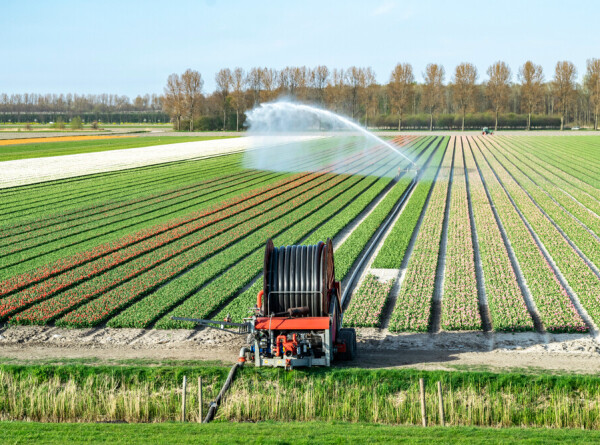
{"x": 562, "y": 118}
{"x": 237, "y": 120}
{"x": 596, "y": 119}
{"x": 529, "y": 121}
{"x": 400, "y": 122}
{"x": 496, "y": 125}
{"x": 224, "y": 118}
{"x": 463, "y": 120}
{"x": 431, "y": 121}
{"x": 192, "y": 123}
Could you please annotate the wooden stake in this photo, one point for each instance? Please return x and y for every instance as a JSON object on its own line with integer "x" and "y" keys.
{"x": 200, "y": 399}
{"x": 423, "y": 411}
{"x": 183, "y": 394}
{"x": 441, "y": 401}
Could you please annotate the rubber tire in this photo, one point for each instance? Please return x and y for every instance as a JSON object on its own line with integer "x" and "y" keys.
{"x": 348, "y": 337}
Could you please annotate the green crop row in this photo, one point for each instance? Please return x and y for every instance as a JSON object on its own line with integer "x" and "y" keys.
{"x": 349, "y": 251}
{"x": 413, "y": 305}
{"x": 553, "y": 304}
{"x": 176, "y": 290}
{"x": 506, "y": 302}
{"x": 238, "y": 308}
{"x": 584, "y": 282}
{"x": 394, "y": 248}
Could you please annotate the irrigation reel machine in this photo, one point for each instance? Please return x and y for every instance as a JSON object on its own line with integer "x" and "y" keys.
{"x": 297, "y": 320}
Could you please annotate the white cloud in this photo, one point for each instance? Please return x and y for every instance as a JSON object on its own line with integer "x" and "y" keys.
{"x": 384, "y": 8}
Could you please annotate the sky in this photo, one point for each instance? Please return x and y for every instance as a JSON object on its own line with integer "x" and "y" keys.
{"x": 131, "y": 47}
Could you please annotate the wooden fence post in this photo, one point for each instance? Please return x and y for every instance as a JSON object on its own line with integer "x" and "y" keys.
{"x": 423, "y": 411}
{"x": 441, "y": 402}
{"x": 200, "y": 419}
{"x": 183, "y": 394}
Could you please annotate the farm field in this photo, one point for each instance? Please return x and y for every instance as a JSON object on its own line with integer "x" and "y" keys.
{"x": 26, "y": 148}
{"x": 500, "y": 234}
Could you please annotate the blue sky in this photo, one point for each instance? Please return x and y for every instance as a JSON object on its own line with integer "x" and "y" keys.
{"x": 130, "y": 47}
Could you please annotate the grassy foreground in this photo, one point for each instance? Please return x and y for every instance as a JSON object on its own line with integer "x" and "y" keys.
{"x": 45, "y": 149}
{"x": 149, "y": 394}
{"x": 278, "y": 433}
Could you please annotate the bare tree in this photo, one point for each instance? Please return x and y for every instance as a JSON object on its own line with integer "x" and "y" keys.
{"x": 563, "y": 87}
{"x": 371, "y": 91}
{"x": 531, "y": 77}
{"x": 336, "y": 89}
{"x": 433, "y": 89}
{"x": 592, "y": 83}
{"x": 463, "y": 87}
{"x": 269, "y": 78}
{"x": 498, "y": 87}
{"x": 192, "y": 84}
{"x": 299, "y": 78}
{"x": 255, "y": 82}
{"x": 401, "y": 89}
{"x": 239, "y": 102}
{"x": 174, "y": 99}
{"x": 356, "y": 79}
{"x": 224, "y": 81}
{"x": 319, "y": 80}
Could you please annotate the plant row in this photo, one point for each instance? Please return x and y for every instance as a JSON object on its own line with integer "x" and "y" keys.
{"x": 349, "y": 251}
{"x": 555, "y": 308}
{"x": 505, "y": 300}
{"x": 460, "y": 302}
{"x": 238, "y": 307}
{"x": 368, "y": 302}
{"x": 413, "y": 306}
{"x": 582, "y": 280}
{"x": 189, "y": 287}
{"x": 394, "y": 248}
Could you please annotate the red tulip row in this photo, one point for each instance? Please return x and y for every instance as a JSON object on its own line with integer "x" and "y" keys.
{"x": 178, "y": 256}
{"x": 249, "y": 242}
{"x": 246, "y": 199}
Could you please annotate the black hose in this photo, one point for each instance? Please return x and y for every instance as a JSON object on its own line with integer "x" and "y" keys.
{"x": 212, "y": 410}
{"x": 293, "y": 272}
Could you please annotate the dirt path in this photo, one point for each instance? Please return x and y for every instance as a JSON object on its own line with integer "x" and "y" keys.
{"x": 377, "y": 348}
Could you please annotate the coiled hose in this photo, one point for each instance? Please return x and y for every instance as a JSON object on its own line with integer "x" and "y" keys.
{"x": 298, "y": 276}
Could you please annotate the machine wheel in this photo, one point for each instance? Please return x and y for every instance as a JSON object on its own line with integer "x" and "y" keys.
{"x": 347, "y": 336}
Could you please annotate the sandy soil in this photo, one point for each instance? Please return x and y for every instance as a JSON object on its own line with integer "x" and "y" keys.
{"x": 377, "y": 348}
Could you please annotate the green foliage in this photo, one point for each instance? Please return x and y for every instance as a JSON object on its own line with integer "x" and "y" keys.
{"x": 392, "y": 252}
{"x": 76, "y": 123}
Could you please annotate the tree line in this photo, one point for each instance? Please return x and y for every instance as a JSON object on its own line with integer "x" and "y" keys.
{"x": 43, "y": 108}
{"x": 355, "y": 92}
{"x": 527, "y": 98}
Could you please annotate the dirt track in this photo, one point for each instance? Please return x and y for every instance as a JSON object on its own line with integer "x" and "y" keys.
{"x": 377, "y": 349}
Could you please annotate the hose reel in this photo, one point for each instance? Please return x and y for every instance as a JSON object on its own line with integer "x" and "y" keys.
{"x": 298, "y": 279}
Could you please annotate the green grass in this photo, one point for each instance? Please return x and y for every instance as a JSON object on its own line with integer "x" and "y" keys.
{"x": 151, "y": 392}
{"x": 45, "y": 149}
{"x": 278, "y": 433}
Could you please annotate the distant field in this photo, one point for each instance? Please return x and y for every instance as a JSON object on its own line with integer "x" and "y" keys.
{"x": 45, "y": 149}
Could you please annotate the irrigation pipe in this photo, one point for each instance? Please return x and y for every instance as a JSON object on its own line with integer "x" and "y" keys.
{"x": 215, "y": 404}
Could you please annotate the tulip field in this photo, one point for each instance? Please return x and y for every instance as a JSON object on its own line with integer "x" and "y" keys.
{"x": 500, "y": 233}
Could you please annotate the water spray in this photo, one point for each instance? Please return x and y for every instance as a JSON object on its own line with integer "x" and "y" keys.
{"x": 286, "y": 116}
